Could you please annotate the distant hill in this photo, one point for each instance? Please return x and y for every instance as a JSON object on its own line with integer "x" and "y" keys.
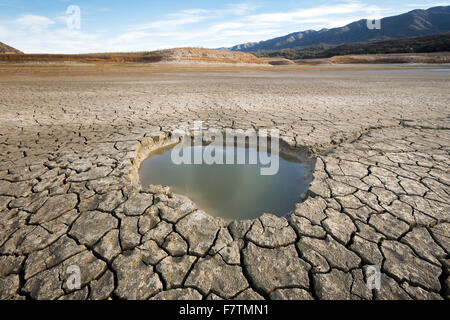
{"x": 177, "y": 55}
{"x": 204, "y": 55}
{"x": 425, "y": 44}
{"x": 412, "y": 24}
{"x": 5, "y": 49}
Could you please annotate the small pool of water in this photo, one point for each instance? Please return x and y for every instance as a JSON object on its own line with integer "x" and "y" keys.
{"x": 232, "y": 191}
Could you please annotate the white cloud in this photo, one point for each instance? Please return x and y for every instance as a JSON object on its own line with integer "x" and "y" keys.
{"x": 33, "y": 22}
{"x": 131, "y": 36}
{"x": 193, "y": 16}
{"x": 321, "y": 11}
{"x": 176, "y": 20}
{"x": 240, "y": 8}
{"x": 227, "y": 26}
{"x": 163, "y": 24}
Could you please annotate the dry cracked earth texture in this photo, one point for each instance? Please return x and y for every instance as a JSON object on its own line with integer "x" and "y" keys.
{"x": 70, "y": 149}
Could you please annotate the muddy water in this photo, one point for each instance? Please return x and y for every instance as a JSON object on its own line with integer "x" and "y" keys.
{"x": 233, "y": 191}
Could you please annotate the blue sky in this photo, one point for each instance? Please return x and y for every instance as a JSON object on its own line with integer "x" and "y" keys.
{"x": 137, "y": 25}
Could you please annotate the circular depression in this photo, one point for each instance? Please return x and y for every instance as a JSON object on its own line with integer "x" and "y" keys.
{"x": 235, "y": 191}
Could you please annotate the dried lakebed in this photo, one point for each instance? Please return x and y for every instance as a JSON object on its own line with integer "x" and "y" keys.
{"x": 70, "y": 191}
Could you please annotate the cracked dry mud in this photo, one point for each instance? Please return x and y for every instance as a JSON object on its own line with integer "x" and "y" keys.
{"x": 69, "y": 193}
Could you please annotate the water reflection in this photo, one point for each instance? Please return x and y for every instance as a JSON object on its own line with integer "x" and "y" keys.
{"x": 232, "y": 191}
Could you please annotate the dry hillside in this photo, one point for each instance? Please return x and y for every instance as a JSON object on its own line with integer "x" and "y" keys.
{"x": 5, "y": 49}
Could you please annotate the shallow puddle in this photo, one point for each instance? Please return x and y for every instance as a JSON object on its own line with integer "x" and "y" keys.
{"x": 232, "y": 191}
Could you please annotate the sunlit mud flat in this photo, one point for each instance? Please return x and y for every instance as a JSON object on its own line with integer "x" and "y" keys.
{"x": 233, "y": 191}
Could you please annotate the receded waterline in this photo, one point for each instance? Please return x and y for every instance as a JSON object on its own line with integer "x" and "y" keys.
{"x": 233, "y": 191}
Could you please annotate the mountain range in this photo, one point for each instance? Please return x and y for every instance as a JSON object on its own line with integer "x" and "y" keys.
{"x": 412, "y": 24}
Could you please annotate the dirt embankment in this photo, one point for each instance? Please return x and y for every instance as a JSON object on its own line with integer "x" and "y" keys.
{"x": 206, "y": 55}
{"x": 192, "y": 55}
